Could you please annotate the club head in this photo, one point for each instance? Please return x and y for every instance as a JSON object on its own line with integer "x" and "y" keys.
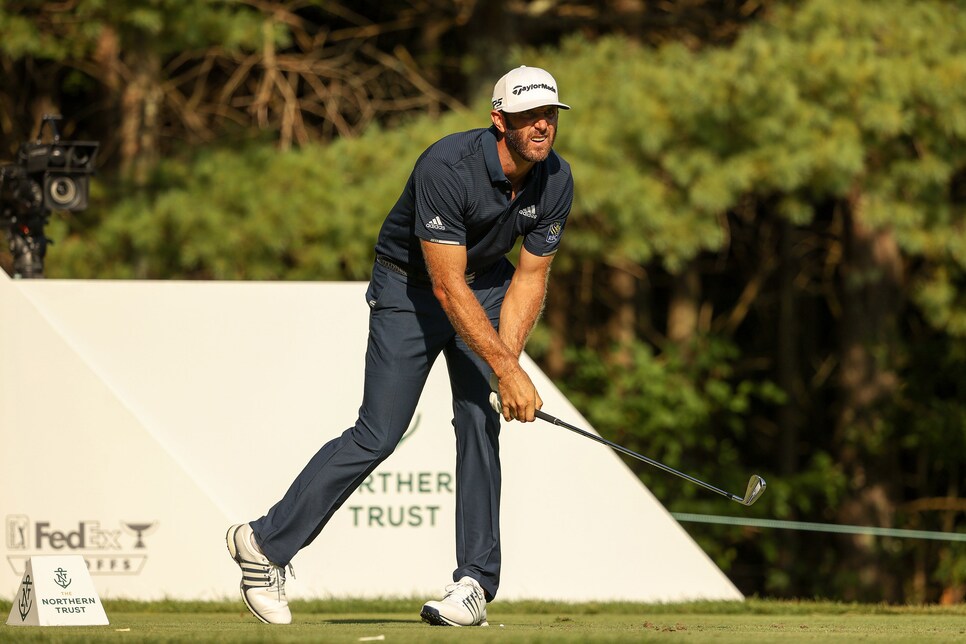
{"x": 756, "y": 487}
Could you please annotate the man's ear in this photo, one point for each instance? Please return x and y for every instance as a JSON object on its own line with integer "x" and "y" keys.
{"x": 499, "y": 120}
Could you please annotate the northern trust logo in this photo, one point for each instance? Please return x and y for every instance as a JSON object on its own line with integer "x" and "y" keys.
{"x": 402, "y": 499}
{"x": 107, "y": 550}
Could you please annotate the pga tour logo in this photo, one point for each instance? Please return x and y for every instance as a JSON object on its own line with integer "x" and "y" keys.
{"x": 119, "y": 551}
{"x": 17, "y": 527}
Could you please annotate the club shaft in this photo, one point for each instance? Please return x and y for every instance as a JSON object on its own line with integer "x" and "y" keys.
{"x": 623, "y": 450}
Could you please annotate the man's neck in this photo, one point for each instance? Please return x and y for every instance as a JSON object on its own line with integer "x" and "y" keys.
{"x": 515, "y": 167}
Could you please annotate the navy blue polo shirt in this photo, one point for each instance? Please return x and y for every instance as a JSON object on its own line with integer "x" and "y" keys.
{"x": 458, "y": 194}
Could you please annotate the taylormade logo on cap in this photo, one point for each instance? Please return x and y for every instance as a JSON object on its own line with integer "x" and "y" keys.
{"x": 519, "y": 89}
{"x": 525, "y": 88}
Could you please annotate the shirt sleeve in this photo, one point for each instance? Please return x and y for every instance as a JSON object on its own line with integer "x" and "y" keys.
{"x": 440, "y": 203}
{"x": 544, "y": 239}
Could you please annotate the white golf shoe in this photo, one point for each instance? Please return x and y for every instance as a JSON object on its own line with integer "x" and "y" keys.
{"x": 262, "y": 583}
{"x": 463, "y": 605}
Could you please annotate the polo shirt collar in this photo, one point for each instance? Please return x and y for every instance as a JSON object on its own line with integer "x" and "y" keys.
{"x": 491, "y": 157}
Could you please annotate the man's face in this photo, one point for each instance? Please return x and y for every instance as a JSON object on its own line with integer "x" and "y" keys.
{"x": 531, "y": 134}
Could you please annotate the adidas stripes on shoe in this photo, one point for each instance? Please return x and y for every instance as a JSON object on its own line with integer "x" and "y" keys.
{"x": 463, "y": 605}
{"x": 262, "y": 583}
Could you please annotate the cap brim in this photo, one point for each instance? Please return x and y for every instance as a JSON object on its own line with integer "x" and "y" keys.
{"x": 529, "y": 105}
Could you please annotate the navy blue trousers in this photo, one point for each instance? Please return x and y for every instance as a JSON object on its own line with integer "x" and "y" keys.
{"x": 408, "y": 329}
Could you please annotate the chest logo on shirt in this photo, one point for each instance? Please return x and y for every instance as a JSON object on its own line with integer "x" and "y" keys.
{"x": 554, "y": 234}
{"x": 529, "y": 211}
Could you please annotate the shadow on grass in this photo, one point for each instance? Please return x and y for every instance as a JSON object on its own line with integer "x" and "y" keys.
{"x": 372, "y": 621}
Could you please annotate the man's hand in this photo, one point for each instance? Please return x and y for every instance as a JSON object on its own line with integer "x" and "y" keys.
{"x": 525, "y": 400}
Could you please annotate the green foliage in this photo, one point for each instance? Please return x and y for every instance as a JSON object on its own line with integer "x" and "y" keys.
{"x": 687, "y": 409}
{"x": 817, "y": 105}
{"x": 165, "y": 26}
{"x": 824, "y": 101}
{"x": 254, "y": 212}
{"x": 174, "y": 25}
{"x": 861, "y": 103}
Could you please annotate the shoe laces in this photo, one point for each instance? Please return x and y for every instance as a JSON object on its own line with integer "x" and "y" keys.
{"x": 461, "y": 590}
{"x": 276, "y": 573}
{"x": 276, "y": 578}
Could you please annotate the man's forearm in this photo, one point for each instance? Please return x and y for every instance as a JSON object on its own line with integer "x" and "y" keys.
{"x": 524, "y": 300}
{"x": 446, "y": 265}
{"x": 471, "y": 323}
{"x": 521, "y": 309}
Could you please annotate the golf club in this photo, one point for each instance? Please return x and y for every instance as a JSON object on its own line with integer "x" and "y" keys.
{"x": 756, "y": 486}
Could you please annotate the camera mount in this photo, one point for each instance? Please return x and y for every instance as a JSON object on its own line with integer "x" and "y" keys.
{"x": 46, "y": 177}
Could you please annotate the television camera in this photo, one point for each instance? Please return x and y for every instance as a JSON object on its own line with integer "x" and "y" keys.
{"x": 45, "y": 177}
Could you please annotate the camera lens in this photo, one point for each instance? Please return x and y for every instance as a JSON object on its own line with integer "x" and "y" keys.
{"x": 62, "y": 191}
{"x": 78, "y": 156}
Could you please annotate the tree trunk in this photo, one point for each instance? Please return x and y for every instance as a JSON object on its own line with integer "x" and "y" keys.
{"x": 141, "y": 102}
{"x": 787, "y": 360}
{"x": 787, "y": 370}
{"x": 869, "y": 282}
{"x": 558, "y": 320}
{"x": 684, "y": 306}
{"x": 622, "y": 325}
{"x": 490, "y": 31}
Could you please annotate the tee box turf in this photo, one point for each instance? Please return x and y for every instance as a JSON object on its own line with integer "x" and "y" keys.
{"x": 56, "y": 591}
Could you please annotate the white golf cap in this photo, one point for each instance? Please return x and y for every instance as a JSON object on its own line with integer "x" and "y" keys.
{"x": 525, "y": 88}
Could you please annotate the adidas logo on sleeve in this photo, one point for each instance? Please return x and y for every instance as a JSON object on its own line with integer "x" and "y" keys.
{"x": 436, "y": 223}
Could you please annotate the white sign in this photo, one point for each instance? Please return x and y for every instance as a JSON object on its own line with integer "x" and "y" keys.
{"x": 167, "y": 411}
{"x": 56, "y": 591}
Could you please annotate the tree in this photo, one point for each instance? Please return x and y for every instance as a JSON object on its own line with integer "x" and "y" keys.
{"x": 817, "y": 156}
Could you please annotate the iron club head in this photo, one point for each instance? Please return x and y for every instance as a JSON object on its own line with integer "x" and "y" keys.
{"x": 756, "y": 487}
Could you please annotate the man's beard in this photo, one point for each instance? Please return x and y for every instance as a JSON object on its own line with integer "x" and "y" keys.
{"x": 517, "y": 141}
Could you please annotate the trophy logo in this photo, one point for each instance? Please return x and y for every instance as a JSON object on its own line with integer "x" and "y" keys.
{"x": 139, "y": 529}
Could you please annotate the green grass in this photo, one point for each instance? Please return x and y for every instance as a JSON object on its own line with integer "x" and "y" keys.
{"x": 398, "y": 621}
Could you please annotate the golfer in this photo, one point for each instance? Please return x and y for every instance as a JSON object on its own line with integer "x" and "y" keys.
{"x": 441, "y": 283}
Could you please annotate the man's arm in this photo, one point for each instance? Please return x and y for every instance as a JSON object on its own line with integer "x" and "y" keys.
{"x": 524, "y": 300}
{"x": 447, "y": 267}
